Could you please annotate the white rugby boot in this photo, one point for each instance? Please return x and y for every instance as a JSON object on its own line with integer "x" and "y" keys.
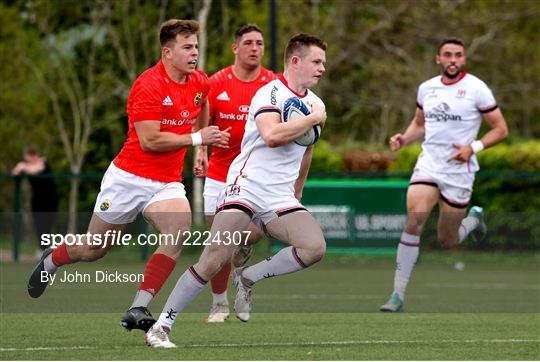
{"x": 242, "y": 301}
{"x": 394, "y": 304}
{"x": 158, "y": 337}
{"x": 479, "y": 233}
{"x": 219, "y": 313}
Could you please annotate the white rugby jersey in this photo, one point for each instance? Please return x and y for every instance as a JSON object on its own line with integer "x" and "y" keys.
{"x": 272, "y": 171}
{"x": 453, "y": 114}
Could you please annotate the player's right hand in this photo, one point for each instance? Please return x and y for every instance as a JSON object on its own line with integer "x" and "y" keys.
{"x": 225, "y": 136}
{"x": 396, "y": 142}
{"x": 210, "y": 135}
{"x": 319, "y": 114}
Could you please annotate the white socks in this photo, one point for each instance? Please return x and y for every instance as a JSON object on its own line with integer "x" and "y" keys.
{"x": 284, "y": 262}
{"x": 187, "y": 288}
{"x": 48, "y": 264}
{"x": 142, "y": 299}
{"x": 220, "y": 298}
{"x": 407, "y": 255}
{"x": 468, "y": 224}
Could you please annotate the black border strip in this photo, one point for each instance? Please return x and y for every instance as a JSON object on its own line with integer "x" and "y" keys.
{"x": 489, "y": 109}
{"x": 236, "y": 206}
{"x": 453, "y": 204}
{"x": 423, "y": 183}
{"x": 197, "y": 276}
{"x": 289, "y": 211}
{"x": 266, "y": 110}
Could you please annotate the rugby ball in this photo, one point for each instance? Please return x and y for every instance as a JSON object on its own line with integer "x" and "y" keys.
{"x": 294, "y": 108}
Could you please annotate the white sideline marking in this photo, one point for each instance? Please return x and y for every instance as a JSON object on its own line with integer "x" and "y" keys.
{"x": 30, "y": 349}
{"x": 320, "y": 296}
{"x": 285, "y": 344}
{"x": 339, "y": 343}
{"x": 483, "y": 286}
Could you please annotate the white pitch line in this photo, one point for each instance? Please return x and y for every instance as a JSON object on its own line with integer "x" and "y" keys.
{"x": 287, "y": 344}
{"x": 31, "y": 349}
{"x": 481, "y": 286}
{"x": 334, "y": 343}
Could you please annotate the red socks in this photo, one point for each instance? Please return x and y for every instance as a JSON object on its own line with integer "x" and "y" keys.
{"x": 157, "y": 270}
{"x": 60, "y": 256}
{"x": 220, "y": 281}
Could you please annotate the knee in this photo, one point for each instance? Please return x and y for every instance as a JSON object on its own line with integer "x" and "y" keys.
{"x": 211, "y": 262}
{"x": 315, "y": 253}
{"x": 254, "y": 237}
{"x": 415, "y": 223}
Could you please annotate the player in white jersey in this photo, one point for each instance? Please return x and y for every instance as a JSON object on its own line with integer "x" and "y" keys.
{"x": 449, "y": 112}
{"x": 265, "y": 185}
{"x": 262, "y": 177}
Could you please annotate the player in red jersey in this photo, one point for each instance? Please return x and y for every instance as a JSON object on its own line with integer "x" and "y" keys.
{"x": 231, "y": 91}
{"x": 166, "y": 106}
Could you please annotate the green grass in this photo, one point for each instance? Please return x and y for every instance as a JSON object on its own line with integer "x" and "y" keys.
{"x": 490, "y": 310}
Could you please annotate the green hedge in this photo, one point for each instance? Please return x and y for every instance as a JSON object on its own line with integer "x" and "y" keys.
{"x": 325, "y": 158}
{"x": 507, "y": 186}
{"x": 523, "y": 156}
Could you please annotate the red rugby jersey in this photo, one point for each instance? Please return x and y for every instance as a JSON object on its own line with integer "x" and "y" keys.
{"x": 229, "y": 99}
{"x": 155, "y": 96}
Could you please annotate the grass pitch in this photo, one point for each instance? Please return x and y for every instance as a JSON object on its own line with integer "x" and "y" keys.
{"x": 489, "y": 310}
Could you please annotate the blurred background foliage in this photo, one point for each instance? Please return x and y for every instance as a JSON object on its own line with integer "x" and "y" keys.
{"x": 67, "y": 68}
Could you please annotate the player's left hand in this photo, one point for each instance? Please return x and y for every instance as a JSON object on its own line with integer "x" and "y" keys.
{"x": 463, "y": 154}
{"x": 201, "y": 162}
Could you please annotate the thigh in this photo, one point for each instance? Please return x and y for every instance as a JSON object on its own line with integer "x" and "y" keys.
{"x": 422, "y": 198}
{"x": 226, "y": 223}
{"x": 420, "y": 201}
{"x": 299, "y": 229}
{"x": 171, "y": 218}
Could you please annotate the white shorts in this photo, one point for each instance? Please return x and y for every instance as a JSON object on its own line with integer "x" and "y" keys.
{"x": 124, "y": 195}
{"x": 455, "y": 188}
{"x": 212, "y": 189}
{"x": 262, "y": 208}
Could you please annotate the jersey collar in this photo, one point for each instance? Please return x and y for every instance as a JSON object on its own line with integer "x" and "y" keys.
{"x": 284, "y": 81}
{"x": 461, "y": 76}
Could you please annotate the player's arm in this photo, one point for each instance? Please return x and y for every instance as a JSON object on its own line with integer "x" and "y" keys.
{"x": 276, "y": 133}
{"x": 415, "y": 131}
{"x": 153, "y": 140}
{"x": 28, "y": 168}
{"x": 203, "y": 120}
{"x": 18, "y": 169}
{"x": 499, "y": 128}
{"x": 201, "y": 153}
{"x": 497, "y": 133}
{"x": 303, "y": 173}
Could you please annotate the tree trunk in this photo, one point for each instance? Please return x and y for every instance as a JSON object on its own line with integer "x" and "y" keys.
{"x": 74, "y": 184}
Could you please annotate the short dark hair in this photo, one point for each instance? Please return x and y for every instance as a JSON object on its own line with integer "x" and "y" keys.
{"x": 244, "y": 29}
{"x": 451, "y": 40}
{"x": 299, "y": 44}
{"x": 31, "y": 150}
{"x": 171, "y": 28}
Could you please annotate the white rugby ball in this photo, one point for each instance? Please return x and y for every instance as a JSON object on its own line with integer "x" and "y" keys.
{"x": 294, "y": 108}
